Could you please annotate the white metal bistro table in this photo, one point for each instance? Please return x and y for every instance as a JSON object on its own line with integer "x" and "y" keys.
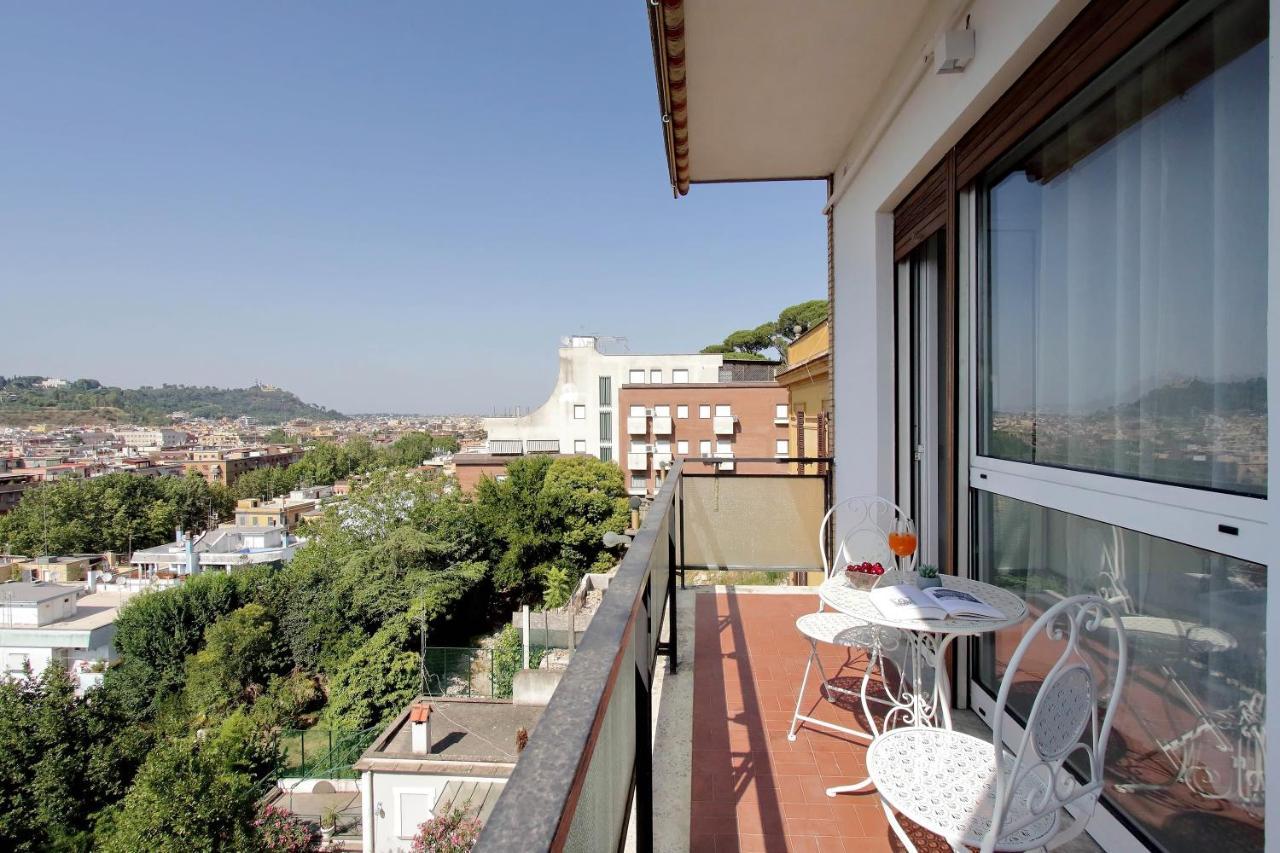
{"x": 926, "y": 640}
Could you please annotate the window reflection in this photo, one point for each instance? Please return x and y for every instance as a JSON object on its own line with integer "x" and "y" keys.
{"x": 1185, "y": 761}
{"x": 1126, "y": 289}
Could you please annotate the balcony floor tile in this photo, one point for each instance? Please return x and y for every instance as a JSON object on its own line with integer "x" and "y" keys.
{"x": 754, "y": 790}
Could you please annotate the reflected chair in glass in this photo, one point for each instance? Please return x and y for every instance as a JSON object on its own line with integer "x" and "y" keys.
{"x": 1216, "y": 753}
{"x": 862, "y": 526}
{"x": 975, "y": 793}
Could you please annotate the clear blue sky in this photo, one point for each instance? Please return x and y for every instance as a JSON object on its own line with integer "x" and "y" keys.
{"x": 380, "y": 206}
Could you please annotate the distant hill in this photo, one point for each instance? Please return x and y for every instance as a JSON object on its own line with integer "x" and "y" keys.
{"x": 1195, "y": 396}
{"x": 25, "y": 400}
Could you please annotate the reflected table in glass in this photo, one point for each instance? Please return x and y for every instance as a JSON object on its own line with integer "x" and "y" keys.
{"x": 926, "y": 641}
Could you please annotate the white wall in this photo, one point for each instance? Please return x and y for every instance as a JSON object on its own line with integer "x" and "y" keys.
{"x": 932, "y": 119}
{"x": 382, "y": 796}
{"x": 578, "y": 383}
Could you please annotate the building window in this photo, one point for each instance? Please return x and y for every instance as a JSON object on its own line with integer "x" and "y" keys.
{"x": 723, "y": 410}
{"x": 1122, "y": 373}
{"x": 606, "y": 454}
{"x": 704, "y": 448}
{"x": 579, "y": 413}
{"x": 1125, "y": 336}
{"x": 639, "y": 482}
{"x": 724, "y": 445}
{"x": 639, "y": 447}
{"x": 682, "y": 448}
{"x": 680, "y": 377}
{"x": 655, "y": 377}
{"x": 782, "y": 447}
{"x": 635, "y": 377}
{"x": 662, "y": 445}
{"x": 579, "y": 445}
{"x": 606, "y": 392}
{"x": 662, "y": 411}
{"x": 637, "y": 412}
{"x": 682, "y": 411}
{"x": 606, "y": 426}
{"x": 780, "y": 414}
{"x": 501, "y": 478}
{"x": 704, "y": 410}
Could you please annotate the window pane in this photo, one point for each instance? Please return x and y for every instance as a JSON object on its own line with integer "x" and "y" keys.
{"x": 635, "y": 377}
{"x": 579, "y": 413}
{"x": 704, "y": 411}
{"x": 682, "y": 447}
{"x": 680, "y": 376}
{"x": 1185, "y": 759}
{"x": 606, "y": 454}
{"x": 606, "y": 391}
{"x": 1125, "y": 298}
{"x": 723, "y": 410}
{"x": 655, "y": 376}
{"x": 682, "y": 411}
{"x": 606, "y": 426}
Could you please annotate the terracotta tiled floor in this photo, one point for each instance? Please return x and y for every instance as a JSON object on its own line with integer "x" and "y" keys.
{"x": 752, "y": 789}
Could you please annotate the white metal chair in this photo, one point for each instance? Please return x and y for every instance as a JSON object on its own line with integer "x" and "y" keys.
{"x": 864, "y": 524}
{"x": 975, "y": 793}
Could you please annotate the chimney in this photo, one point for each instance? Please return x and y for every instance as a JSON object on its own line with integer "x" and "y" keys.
{"x": 420, "y": 719}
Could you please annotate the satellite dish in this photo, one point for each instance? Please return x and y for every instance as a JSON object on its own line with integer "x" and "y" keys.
{"x": 106, "y": 577}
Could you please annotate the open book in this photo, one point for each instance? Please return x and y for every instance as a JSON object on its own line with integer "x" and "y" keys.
{"x": 907, "y": 602}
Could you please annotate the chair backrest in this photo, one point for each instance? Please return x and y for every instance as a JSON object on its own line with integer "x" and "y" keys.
{"x": 1064, "y": 723}
{"x": 859, "y": 529}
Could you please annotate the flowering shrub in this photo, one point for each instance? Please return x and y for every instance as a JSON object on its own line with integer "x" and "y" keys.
{"x": 455, "y": 832}
{"x": 282, "y": 832}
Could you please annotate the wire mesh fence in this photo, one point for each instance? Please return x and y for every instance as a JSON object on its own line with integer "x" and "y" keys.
{"x": 322, "y": 753}
{"x": 474, "y": 672}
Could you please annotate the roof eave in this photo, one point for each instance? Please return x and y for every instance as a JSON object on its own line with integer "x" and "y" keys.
{"x": 666, "y": 32}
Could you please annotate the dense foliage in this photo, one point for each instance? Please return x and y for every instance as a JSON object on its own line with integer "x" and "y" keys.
{"x": 550, "y": 513}
{"x": 109, "y": 513}
{"x": 23, "y": 395}
{"x": 326, "y": 463}
{"x": 173, "y": 751}
{"x": 775, "y": 334}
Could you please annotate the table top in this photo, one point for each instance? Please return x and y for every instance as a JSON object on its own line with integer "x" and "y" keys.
{"x": 839, "y": 594}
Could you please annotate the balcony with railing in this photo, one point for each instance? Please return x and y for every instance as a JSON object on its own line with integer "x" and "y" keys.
{"x": 637, "y": 729}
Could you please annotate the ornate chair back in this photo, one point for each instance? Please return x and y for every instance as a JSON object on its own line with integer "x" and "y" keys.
{"x": 859, "y": 529}
{"x": 1083, "y": 677}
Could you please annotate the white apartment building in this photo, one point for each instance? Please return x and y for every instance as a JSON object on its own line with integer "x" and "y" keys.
{"x": 581, "y": 415}
{"x": 152, "y": 438}
{"x": 43, "y": 622}
{"x": 220, "y": 549}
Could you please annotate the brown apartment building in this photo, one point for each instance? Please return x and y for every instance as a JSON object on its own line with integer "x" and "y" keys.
{"x": 225, "y": 466}
{"x": 729, "y": 420}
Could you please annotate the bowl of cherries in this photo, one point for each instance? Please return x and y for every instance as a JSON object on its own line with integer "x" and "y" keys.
{"x": 863, "y": 576}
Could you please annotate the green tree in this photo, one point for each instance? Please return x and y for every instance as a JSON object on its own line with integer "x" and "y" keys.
{"x": 109, "y": 513}
{"x": 550, "y": 512}
{"x": 194, "y": 793}
{"x": 792, "y": 322}
{"x": 378, "y": 680}
{"x": 558, "y": 588}
{"x": 238, "y": 657}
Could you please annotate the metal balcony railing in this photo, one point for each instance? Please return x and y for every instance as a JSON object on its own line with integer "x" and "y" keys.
{"x": 587, "y": 772}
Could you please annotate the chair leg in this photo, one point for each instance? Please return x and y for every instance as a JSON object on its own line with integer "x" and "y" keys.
{"x": 897, "y": 827}
{"x": 804, "y": 682}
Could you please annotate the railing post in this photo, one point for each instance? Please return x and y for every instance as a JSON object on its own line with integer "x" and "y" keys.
{"x": 644, "y": 723}
{"x": 672, "y": 636}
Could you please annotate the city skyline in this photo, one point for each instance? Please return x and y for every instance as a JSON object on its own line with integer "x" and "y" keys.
{"x": 334, "y": 204}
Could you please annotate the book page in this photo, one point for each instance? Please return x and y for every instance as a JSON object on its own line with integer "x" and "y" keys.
{"x": 959, "y": 603}
{"x": 905, "y": 602}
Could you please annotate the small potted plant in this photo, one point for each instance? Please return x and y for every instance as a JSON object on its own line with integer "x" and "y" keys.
{"x": 863, "y": 575}
{"x": 928, "y": 575}
{"x": 328, "y": 823}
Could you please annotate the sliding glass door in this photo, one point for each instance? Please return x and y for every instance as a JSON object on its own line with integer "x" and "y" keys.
{"x": 1120, "y": 408}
